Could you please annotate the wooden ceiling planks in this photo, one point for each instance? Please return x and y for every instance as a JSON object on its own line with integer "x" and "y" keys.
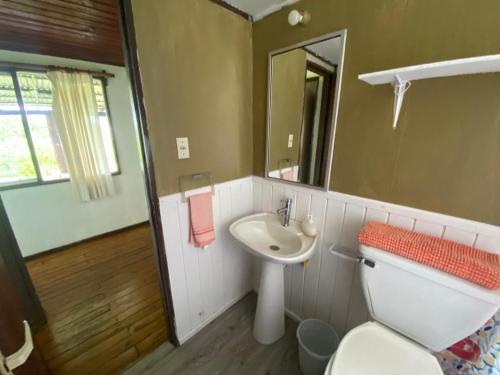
{"x": 78, "y": 29}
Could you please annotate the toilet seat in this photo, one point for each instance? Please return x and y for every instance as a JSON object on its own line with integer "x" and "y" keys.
{"x": 373, "y": 349}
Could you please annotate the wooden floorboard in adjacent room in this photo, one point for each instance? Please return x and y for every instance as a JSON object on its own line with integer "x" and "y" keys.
{"x": 103, "y": 303}
{"x": 225, "y": 347}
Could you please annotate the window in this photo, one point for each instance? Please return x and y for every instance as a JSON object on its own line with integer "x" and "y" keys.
{"x": 30, "y": 148}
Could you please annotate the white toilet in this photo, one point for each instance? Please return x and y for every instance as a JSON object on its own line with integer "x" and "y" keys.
{"x": 417, "y": 310}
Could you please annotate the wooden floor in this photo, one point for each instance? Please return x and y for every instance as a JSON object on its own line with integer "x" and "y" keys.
{"x": 226, "y": 346}
{"x": 103, "y": 303}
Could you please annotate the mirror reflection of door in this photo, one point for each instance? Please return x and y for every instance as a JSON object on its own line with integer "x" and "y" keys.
{"x": 302, "y": 108}
{"x": 318, "y": 99}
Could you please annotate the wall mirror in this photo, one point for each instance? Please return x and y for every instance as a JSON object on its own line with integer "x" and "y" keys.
{"x": 303, "y": 95}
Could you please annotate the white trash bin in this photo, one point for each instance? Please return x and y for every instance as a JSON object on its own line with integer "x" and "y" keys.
{"x": 317, "y": 343}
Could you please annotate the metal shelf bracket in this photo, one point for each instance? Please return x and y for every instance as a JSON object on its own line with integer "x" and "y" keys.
{"x": 400, "y": 88}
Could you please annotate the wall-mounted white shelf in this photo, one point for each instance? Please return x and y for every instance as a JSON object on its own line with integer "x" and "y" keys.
{"x": 401, "y": 78}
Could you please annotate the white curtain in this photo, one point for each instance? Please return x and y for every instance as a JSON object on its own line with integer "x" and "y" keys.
{"x": 77, "y": 119}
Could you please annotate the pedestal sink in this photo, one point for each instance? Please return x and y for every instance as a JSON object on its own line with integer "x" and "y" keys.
{"x": 276, "y": 245}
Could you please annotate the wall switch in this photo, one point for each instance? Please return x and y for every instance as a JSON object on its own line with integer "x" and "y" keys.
{"x": 290, "y": 140}
{"x": 182, "y": 148}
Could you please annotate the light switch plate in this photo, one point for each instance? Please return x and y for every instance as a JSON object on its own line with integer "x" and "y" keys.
{"x": 290, "y": 140}
{"x": 182, "y": 148}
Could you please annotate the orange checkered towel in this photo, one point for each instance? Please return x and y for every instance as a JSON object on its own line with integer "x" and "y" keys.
{"x": 475, "y": 265}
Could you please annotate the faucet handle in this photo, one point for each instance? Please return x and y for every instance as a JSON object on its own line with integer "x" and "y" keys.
{"x": 287, "y": 202}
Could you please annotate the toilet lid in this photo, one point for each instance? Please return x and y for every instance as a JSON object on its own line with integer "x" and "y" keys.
{"x": 372, "y": 349}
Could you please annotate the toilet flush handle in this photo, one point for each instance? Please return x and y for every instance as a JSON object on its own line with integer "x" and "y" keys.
{"x": 366, "y": 262}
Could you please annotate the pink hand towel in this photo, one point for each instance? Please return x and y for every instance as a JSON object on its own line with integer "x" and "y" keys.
{"x": 201, "y": 227}
{"x": 288, "y": 175}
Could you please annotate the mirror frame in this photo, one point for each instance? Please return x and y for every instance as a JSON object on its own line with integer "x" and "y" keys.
{"x": 335, "y": 110}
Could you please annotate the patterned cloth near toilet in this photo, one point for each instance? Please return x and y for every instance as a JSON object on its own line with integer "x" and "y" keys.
{"x": 479, "y": 354}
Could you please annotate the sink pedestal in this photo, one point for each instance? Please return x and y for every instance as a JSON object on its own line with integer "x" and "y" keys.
{"x": 269, "y": 324}
{"x": 275, "y": 245}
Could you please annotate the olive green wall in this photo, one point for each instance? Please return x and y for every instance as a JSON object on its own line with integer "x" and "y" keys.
{"x": 445, "y": 154}
{"x": 287, "y": 96}
{"x": 195, "y": 59}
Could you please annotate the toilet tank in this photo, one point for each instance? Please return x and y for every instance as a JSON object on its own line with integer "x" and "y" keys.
{"x": 429, "y": 306}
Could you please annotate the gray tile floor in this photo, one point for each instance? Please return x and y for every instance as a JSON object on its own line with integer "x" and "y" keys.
{"x": 226, "y": 346}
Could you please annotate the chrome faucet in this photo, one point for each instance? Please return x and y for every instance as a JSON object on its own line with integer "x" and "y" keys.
{"x": 285, "y": 212}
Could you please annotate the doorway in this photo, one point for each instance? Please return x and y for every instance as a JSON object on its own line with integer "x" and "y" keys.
{"x": 93, "y": 264}
{"x": 98, "y": 267}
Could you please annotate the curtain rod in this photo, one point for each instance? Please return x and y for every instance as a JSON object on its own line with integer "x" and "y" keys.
{"x": 45, "y": 68}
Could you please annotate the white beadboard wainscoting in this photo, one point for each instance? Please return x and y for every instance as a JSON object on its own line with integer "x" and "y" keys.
{"x": 206, "y": 282}
{"x": 329, "y": 287}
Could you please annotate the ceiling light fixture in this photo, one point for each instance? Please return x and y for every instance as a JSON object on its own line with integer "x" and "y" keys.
{"x": 295, "y": 17}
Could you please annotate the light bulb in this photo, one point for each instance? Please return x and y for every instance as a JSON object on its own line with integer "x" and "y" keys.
{"x": 295, "y": 17}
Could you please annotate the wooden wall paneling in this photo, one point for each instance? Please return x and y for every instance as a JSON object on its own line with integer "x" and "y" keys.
{"x": 353, "y": 221}
{"x": 289, "y": 193}
{"x": 312, "y": 270}
{"x": 427, "y": 227}
{"x": 191, "y": 268}
{"x": 208, "y": 287}
{"x": 278, "y": 195}
{"x": 211, "y": 280}
{"x": 175, "y": 256}
{"x": 84, "y": 30}
{"x": 303, "y": 204}
{"x": 217, "y": 260}
{"x": 339, "y": 298}
{"x": 241, "y": 205}
{"x": 206, "y": 282}
{"x": 459, "y": 235}
{"x": 374, "y": 214}
{"x": 257, "y": 197}
{"x": 258, "y": 189}
{"x": 358, "y": 310}
{"x": 487, "y": 242}
{"x": 345, "y": 272}
{"x": 401, "y": 221}
{"x": 332, "y": 231}
{"x": 267, "y": 197}
{"x": 223, "y": 238}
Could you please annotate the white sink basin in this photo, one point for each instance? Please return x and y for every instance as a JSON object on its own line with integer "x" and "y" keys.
{"x": 276, "y": 245}
{"x": 264, "y": 236}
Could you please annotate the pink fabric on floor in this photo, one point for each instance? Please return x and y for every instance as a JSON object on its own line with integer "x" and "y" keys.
{"x": 475, "y": 265}
{"x": 201, "y": 226}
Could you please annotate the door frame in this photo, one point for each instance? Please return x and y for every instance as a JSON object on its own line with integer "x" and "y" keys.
{"x": 132, "y": 64}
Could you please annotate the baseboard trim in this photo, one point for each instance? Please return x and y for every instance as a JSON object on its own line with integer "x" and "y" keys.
{"x": 293, "y": 316}
{"x": 96, "y": 237}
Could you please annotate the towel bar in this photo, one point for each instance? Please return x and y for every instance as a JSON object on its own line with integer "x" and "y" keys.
{"x": 195, "y": 177}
